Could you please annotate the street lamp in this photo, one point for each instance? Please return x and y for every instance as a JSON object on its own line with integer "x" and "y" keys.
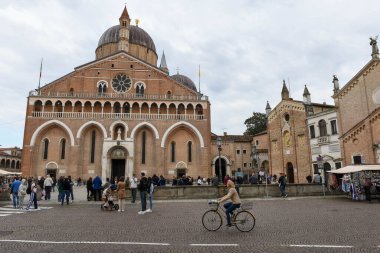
{"x": 320, "y": 167}
{"x": 219, "y": 144}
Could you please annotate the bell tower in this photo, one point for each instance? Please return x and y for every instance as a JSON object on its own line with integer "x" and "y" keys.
{"x": 125, "y": 21}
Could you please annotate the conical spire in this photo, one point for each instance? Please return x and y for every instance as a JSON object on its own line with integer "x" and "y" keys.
{"x": 306, "y": 91}
{"x": 306, "y": 95}
{"x": 285, "y": 91}
{"x": 163, "y": 65}
{"x": 125, "y": 14}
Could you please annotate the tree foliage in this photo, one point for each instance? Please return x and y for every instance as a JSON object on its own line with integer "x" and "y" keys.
{"x": 256, "y": 123}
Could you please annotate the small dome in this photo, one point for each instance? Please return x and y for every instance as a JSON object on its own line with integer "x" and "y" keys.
{"x": 184, "y": 80}
{"x": 137, "y": 36}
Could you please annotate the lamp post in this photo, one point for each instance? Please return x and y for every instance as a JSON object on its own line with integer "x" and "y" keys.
{"x": 320, "y": 167}
{"x": 219, "y": 144}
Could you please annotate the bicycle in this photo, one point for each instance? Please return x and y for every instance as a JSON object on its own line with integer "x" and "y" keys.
{"x": 241, "y": 218}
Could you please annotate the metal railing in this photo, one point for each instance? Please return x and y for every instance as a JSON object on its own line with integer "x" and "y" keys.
{"x": 129, "y": 116}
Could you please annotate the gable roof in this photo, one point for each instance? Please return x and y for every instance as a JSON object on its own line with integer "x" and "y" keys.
{"x": 353, "y": 79}
{"x": 88, "y": 64}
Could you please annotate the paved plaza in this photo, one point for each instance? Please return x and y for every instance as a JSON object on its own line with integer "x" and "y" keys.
{"x": 311, "y": 224}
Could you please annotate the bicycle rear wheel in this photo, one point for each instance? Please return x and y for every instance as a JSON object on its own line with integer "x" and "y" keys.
{"x": 245, "y": 221}
{"x": 211, "y": 220}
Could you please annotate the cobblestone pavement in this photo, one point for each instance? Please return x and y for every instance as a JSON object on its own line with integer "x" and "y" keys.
{"x": 311, "y": 224}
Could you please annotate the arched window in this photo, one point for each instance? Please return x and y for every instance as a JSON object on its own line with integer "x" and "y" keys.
{"x": 140, "y": 90}
{"x": 173, "y": 152}
{"x": 117, "y": 107}
{"x": 2, "y": 163}
{"x": 322, "y": 128}
{"x": 126, "y": 108}
{"x": 189, "y": 151}
{"x": 102, "y": 87}
{"x": 93, "y": 138}
{"x": 143, "y": 147}
{"x": 63, "y": 148}
{"x": 46, "y": 148}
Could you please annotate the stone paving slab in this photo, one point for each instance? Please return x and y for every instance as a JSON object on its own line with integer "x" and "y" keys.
{"x": 282, "y": 225}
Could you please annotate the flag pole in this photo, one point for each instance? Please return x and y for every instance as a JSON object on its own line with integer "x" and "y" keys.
{"x": 199, "y": 79}
{"x": 39, "y": 80}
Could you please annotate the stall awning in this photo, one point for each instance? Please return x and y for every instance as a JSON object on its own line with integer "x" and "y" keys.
{"x": 4, "y": 172}
{"x": 356, "y": 168}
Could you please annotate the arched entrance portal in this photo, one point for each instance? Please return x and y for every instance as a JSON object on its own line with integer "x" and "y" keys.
{"x": 181, "y": 168}
{"x": 223, "y": 167}
{"x": 290, "y": 172}
{"x": 118, "y": 162}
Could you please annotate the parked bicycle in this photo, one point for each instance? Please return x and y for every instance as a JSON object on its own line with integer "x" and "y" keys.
{"x": 241, "y": 218}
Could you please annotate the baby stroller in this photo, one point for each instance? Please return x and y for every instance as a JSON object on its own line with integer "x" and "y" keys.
{"x": 109, "y": 198}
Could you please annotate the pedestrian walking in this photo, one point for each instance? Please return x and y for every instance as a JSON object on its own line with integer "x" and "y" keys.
{"x": 61, "y": 192}
{"x": 48, "y": 183}
{"x": 71, "y": 189}
{"x": 367, "y": 189}
{"x": 150, "y": 191}
{"x": 282, "y": 185}
{"x": 66, "y": 189}
{"x": 33, "y": 197}
{"x": 143, "y": 187}
{"x": 14, "y": 190}
{"x": 97, "y": 186}
{"x": 133, "y": 185}
{"x": 121, "y": 193}
{"x": 22, "y": 192}
{"x": 90, "y": 189}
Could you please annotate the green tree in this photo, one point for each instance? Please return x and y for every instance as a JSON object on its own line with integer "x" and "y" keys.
{"x": 256, "y": 123}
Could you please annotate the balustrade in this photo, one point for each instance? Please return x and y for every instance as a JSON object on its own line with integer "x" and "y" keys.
{"x": 89, "y": 95}
{"x": 128, "y": 116}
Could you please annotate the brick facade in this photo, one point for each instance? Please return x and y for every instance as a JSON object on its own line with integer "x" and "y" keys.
{"x": 81, "y": 125}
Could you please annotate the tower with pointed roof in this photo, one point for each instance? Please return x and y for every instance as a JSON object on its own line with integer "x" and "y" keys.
{"x": 306, "y": 96}
{"x": 125, "y": 21}
{"x": 163, "y": 65}
{"x": 285, "y": 91}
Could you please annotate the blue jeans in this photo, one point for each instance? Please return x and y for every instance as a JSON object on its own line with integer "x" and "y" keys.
{"x": 143, "y": 200}
{"x": 230, "y": 207}
{"x": 67, "y": 195}
{"x": 16, "y": 199}
{"x": 151, "y": 201}
{"x": 282, "y": 189}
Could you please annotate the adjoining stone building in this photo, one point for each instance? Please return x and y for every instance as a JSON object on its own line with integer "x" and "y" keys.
{"x": 324, "y": 141}
{"x": 242, "y": 154}
{"x": 358, "y": 104}
{"x": 117, "y": 115}
{"x": 288, "y": 136}
{"x": 10, "y": 159}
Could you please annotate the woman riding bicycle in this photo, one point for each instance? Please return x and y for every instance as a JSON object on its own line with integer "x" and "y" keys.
{"x": 230, "y": 206}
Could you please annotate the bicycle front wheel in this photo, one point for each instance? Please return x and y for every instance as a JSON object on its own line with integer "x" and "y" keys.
{"x": 245, "y": 221}
{"x": 211, "y": 220}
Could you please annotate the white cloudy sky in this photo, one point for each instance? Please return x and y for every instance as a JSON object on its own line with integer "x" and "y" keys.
{"x": 245, "y": 48}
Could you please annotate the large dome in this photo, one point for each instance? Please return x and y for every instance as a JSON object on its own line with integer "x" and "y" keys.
{"x": 185, "y": 81}
{"x": 137, "y": 36}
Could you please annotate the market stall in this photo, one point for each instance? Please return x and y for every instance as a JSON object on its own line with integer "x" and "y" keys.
{"x": 355, "y": 177}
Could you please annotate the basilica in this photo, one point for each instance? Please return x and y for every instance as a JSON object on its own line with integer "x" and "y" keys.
{"x": 118, "y": 115}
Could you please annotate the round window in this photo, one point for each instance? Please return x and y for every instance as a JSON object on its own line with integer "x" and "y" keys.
{"x": 121, "y": 83}
{"x": 287, "y": 117}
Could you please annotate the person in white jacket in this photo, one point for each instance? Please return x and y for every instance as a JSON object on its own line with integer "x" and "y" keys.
{"x": 22, "y": 192}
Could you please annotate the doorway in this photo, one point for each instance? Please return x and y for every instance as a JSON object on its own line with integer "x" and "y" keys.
{"x": 52, "y": 173}
{"x": 118, "y": 169}
{"x": 290, "y": 173}
{"x": 223, "y": 168}
{"x": 181, "y": 172}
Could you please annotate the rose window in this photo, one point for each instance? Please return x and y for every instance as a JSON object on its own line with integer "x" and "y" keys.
{"x": 121, "y": 83}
